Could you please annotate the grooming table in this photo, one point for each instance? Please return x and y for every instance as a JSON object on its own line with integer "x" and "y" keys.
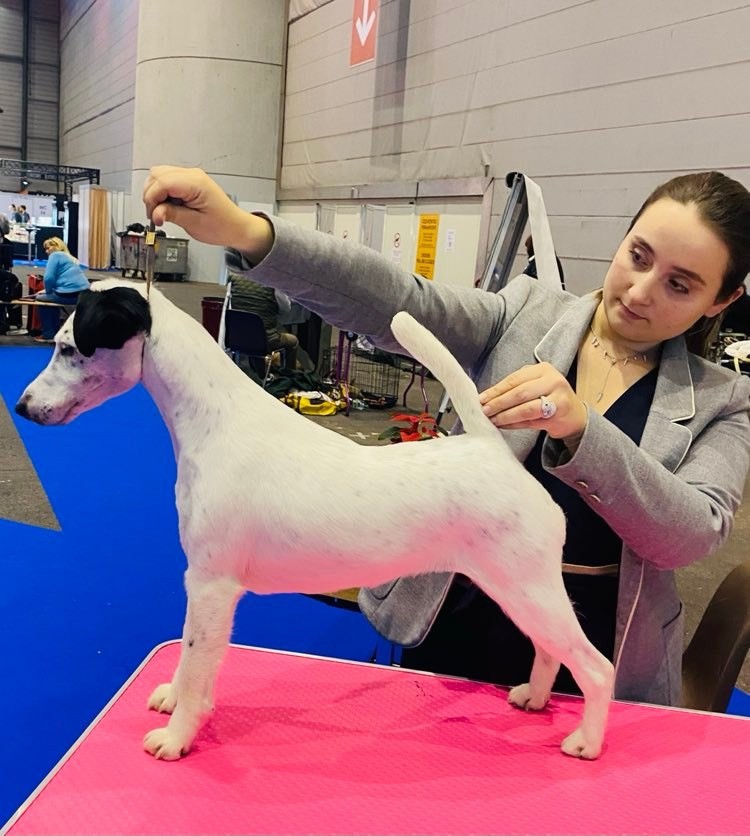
{"x": 300, "y": 744}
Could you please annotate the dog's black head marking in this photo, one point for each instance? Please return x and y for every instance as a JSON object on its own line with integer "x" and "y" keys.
{"x": 109, "y": 318}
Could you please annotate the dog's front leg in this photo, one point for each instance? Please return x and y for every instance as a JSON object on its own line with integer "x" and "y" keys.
{"x": 189, "y": 697}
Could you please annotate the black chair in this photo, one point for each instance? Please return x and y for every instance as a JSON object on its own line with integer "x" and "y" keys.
{"x": 244, "y": 333}
{"x": 713, "y": 659}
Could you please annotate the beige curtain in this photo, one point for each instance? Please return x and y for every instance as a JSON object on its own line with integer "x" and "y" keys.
{"x": 99, "y": 250}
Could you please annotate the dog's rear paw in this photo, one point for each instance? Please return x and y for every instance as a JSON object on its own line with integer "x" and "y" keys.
{"x": 522, "y": 697}
{"x": 164, "y": 745}
{"x": 577, "y": 746}
{"x": 164, "y": 698}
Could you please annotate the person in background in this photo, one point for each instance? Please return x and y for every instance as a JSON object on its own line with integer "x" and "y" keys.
{"x": 268, "y": 304}
{"x": 6, "y": 246}
{"x": 15, "y": 214}
{"x": 530, "y": 269}
{"x": 10, "y": 315}
{"x": 608, "y": 400}
{"x": 63, "y": 282}
{"x": 25, "y": 217}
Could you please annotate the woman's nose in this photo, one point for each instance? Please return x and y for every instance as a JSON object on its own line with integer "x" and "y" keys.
{"x": 641, "y": 291}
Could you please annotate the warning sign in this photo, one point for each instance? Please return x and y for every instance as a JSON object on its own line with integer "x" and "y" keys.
{"x": 427, "y": 245}
{"x": 364, "y": 32}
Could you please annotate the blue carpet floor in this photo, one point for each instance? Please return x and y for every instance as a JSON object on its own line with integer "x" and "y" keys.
{"x": 81, "y": 608}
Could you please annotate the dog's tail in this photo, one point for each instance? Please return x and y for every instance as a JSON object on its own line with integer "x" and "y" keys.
{"x": 427, "y": 349}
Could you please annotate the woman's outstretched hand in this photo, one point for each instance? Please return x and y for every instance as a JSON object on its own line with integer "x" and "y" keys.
{"x": 521, "y": 399}
{"x": 189, "y": 198}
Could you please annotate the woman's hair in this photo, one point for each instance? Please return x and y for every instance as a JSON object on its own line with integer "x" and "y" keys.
{"x": 724, "y": 206}
{"x": 58, "y": 245}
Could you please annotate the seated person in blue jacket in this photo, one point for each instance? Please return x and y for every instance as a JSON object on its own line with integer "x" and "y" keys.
{"x": 63, "y": 282}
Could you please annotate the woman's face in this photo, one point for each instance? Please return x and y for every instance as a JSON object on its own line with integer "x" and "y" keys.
{"x": 665, "y": 276}
{"x": 49, "y": 247}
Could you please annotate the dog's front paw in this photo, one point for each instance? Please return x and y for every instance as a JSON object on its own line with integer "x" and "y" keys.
{"x": 577, "y": 746}
{"x": 164, "y": 698}
{"x": 522, "y": 697}
{"x": 164, "y": 745}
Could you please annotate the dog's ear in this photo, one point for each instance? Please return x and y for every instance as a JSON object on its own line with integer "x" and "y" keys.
{"x": 109, "y": 318}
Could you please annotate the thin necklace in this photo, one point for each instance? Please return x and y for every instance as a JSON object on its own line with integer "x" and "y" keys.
{"x": 613, "y": 361}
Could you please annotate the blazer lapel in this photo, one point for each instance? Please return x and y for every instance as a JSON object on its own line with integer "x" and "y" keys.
{"x": 558, "y": 347}
{"x": 560, "y": 344}
{"x": 664, "y": 436}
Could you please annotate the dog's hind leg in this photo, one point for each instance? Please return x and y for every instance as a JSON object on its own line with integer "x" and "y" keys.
{"x": 189, "y": 697}
{"x": 546, "y": 615}
{"x": 595, "y": 676}
{"x": 534, "y": 694}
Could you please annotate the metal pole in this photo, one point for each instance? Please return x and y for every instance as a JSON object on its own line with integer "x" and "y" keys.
{"x": 504, "y": 248}
{"x": 26, "y": 59}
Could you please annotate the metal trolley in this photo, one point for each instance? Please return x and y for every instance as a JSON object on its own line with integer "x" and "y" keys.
{"x": 171, "y": 256}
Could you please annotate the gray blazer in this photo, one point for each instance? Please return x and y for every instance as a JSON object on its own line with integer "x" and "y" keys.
{"x": 672, "y": 499}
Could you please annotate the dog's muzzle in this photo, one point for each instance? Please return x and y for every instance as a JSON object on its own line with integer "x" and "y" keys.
{"x": 22, "y": 407}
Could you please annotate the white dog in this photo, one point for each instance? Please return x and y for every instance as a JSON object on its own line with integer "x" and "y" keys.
{"x": 249, "y": 520}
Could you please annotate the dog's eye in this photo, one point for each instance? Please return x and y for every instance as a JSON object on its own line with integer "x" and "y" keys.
{"x": 67, "y": 350}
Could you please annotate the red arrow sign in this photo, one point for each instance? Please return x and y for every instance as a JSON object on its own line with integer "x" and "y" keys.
{"x": 364, "y": 31}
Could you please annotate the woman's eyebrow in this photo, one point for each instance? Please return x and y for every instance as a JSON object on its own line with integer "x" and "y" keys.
{"x": 689, "y": 274}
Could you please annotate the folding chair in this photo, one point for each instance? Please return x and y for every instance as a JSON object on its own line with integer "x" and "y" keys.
{"x": 245, "y": 334}
{"x": 713, "y": 659}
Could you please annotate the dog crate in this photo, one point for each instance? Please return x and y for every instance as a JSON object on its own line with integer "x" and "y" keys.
{"x": 367, "y": 380}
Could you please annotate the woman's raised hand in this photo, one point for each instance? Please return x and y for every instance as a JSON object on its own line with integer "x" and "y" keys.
{"x": 189, "y": 198}
{"x": 536, "y": 397}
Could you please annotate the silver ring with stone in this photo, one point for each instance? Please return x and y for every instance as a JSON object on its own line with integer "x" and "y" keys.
{"x": 548, "y": 407}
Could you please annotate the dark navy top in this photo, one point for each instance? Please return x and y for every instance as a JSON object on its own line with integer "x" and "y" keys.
{"x": 589, "y": 541}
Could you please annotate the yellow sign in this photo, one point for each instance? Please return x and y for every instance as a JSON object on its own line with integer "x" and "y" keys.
{"x": 427, "y": 245}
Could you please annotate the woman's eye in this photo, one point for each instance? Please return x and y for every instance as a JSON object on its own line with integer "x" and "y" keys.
{"x": 679, "y": 286}
{"x": 638, "y": 257}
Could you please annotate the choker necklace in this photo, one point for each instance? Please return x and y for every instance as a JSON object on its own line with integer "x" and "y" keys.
{"x": 613, "y": 361}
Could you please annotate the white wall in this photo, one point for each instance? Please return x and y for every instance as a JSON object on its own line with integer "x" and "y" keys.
{"x": 598, "y": 101}
{"x": 98, "y": 42}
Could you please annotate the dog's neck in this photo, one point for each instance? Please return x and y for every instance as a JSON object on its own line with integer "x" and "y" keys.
{"x": 194, "y": 384}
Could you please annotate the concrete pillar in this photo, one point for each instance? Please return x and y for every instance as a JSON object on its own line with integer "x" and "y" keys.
{"x": 208, "y": 94}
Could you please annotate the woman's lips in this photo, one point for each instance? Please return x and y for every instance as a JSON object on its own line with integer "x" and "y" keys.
{"x": 630, "y": 314}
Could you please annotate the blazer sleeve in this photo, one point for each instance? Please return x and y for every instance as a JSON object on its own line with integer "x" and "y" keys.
{"x": 669, "y": 519}
{"x": 356, "y": 289}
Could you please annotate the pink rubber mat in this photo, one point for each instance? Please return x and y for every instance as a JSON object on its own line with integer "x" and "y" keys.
{"x": 300, "y": 744}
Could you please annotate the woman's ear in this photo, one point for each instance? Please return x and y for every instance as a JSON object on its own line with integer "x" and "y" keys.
{"x": 720, "y": 306}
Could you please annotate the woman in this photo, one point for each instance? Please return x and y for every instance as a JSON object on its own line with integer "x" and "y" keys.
{"x": 605, "y": 398}
{"x": 63, "y": 281}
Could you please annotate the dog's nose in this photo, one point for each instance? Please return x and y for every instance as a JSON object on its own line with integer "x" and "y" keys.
{"x": 22, "y": 407}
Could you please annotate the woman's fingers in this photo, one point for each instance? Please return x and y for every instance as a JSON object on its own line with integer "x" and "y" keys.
{"x": 170, "y": 185}
{"x": 518, "y": 388}
{"x": 537, "y": 397}
{"x": 189, "y": 198}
